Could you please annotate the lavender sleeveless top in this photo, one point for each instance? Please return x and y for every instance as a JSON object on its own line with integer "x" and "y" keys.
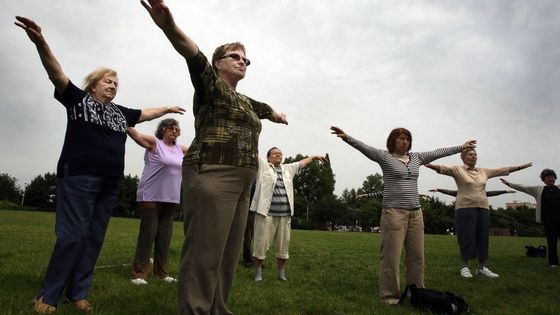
{"x": 161, "y": 178}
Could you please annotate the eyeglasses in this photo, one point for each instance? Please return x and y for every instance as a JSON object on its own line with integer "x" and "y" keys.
{"x": 175, "y": 129}
{"x": 236, "y": 57}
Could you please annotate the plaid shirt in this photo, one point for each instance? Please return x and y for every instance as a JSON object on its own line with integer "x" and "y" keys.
{"x": 227, "y": 123}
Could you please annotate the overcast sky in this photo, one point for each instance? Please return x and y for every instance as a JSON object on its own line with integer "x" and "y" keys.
{"x": 446, "y": 70}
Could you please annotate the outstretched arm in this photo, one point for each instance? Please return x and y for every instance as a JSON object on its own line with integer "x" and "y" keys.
{"x": 445, "y": 191}
{"x": 163, "y": 18}
{"x": 156, "y": 112}
{"x": 279, "y": 118}
{"x": 49, "y": 61}
{"x": 339, "y": 133}
{"x": 143, "y": 140}
{"x": 492, "y": 193}
{"x": 308, "y": 160}
{"x": 520, "y": 167}
{"x": 435, "y": 167}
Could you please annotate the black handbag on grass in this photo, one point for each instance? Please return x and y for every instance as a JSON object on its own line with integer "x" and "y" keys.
{"x": 535, "y": 251}
{"x": 434, "y": 301}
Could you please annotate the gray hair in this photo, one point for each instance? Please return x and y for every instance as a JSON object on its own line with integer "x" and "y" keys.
{"x": 164, "y": 124}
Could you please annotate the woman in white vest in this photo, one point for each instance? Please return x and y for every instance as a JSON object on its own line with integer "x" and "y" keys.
{"x": 273, "y": 203}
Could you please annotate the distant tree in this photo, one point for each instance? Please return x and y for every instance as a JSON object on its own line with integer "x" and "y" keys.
{"x": 41, "y": 192}
{"x": 369, "y": 209}
{"x": 372, "y": 184}
{"x": 328, "y": 210}
{"x": 438, "y": 216}
{"x": 313, "y": 183}
{"x": 9, "y": 189}
{"x": 126, "y": 202}
{"x": 521, "y": 220}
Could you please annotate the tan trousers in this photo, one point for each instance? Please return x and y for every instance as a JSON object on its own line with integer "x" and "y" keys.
{"x": 400, "y": 227}
{"x": 270, "y": 229}
{"x": 216, "y": 201}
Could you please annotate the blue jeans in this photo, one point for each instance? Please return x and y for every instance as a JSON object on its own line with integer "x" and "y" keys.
{"x": 83, "y": 207}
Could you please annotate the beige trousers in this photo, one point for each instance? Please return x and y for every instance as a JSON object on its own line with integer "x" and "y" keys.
{"x": 216, "y": 201}
{"x": 400, "y": 227}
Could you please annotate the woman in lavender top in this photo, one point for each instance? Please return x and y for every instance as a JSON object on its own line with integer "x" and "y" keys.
{"x": 158, "y": 194}
{"x": 402, "y": 223}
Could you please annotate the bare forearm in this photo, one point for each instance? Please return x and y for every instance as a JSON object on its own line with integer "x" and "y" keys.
{"x": 181, "y": 42}
{"x": 52, "y": 67}
{"x": 156, "y": 112}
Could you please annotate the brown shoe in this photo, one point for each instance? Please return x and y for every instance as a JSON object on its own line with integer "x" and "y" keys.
{"x": 42, "y": 308}
{"x": 82, "y": 306}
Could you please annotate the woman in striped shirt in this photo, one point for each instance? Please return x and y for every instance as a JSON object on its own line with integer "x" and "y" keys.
{"x": 402, "y": 223}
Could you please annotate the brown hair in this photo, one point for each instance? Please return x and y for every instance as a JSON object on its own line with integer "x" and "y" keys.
{"x": 91, "y": 79}
{"x": 220, "y": 51}
{"x": 395, "y": 133}
{"x": 465, "y": 151}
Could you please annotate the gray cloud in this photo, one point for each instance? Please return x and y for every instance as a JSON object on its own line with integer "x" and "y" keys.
{"x": 447, "y": 70}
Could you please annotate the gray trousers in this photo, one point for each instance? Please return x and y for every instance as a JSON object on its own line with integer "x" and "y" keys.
{"x": 216, "y": 206}
{"x": 156, "y": 229}
{"x": 472, "y": 226}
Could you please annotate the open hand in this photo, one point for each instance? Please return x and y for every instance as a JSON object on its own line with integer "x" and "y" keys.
{"x": 339, "y": 132}
{"x": 31, "y": 28}
{"x": 159, "y": 12}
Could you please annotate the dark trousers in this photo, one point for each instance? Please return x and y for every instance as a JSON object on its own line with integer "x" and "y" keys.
{"x": 248, "y": 239}
{"x": 473, "y": 227}
{"x": 156, "y": 229}
{"x": 552, "y": 230}
{"x": 83, "y": 208}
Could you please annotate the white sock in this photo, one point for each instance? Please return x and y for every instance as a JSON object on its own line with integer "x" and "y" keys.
{"x": 282, "y": 274}
{"x": 258, "y": 273}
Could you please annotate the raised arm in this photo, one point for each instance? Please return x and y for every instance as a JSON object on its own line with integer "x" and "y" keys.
{"x": 156, "y": 112}
{"x": 49, "y": 61}
{"x": 163, "y": 18}
{"x": 427, "y": 157}
{"x": 308, "y": 160}
{"x": 339, "y": 133}
{"x": 144, "y": 140}
{"x": 370, "y": 152}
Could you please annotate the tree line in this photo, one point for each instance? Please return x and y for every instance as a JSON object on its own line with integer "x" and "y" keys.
{"x": 316, "y": 205}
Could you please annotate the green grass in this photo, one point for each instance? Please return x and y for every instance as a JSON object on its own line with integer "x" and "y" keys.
{"x": 329, "y": 272}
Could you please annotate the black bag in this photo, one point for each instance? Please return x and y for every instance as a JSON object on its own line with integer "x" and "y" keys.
{"x": 535, "y": 251}
{"x": 434, "y": 301}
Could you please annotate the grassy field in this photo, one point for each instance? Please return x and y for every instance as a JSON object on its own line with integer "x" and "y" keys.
{"x": 329, "y": 272}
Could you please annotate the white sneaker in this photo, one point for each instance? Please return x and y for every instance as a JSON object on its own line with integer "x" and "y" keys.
{"x": 466, "y": 273}
{"x": 169, "y": 279}
{"x": 139, "y": 281}
{"x": 485, "y": 271}
{"x": 553, "y": 266}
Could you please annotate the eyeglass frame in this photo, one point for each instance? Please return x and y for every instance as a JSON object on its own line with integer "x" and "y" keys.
{"x": 236, "y": 57}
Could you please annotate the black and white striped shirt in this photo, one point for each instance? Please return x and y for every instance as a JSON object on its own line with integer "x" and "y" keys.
{"x": 401, "y": 179}
{"x": 279, "y": 205}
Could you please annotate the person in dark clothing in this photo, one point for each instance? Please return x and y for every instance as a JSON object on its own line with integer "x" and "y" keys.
{"x": 548, "y": 209}
{"x": 248, "y": 236}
